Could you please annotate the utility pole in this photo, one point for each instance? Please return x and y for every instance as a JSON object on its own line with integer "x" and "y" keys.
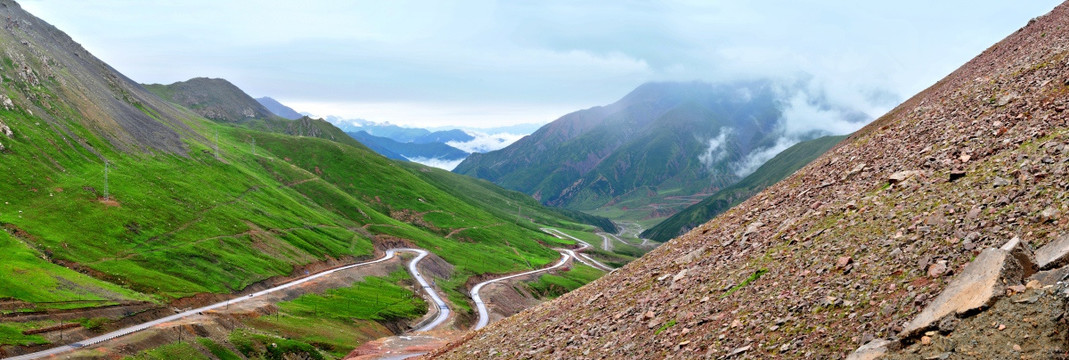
{"x": 105, "y": 179}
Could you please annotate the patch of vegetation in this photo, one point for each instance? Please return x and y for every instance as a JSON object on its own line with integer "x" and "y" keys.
{"x": 664, "y": 327}
{"x": 550, "y": 286}
{"x": 254, "y": 345}
{"x": 374, "y": 298}
{"x": 219, "y": 351}
{"x": 170, "y": 351}
{"x": 756, "y": 275}
{"x": 13, "y": 336}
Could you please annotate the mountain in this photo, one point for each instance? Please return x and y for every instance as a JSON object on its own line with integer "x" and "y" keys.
{"x": 782, "y": 165}
{"x": 216, "y": 99}
{"x": 119, "y": 206}
{"x": 444, "y": 136}
{"x": 408, "y": 151}
{"x": 278, "y": 109}
{"x": 852, "y": 247}
{"x": 660, "y": 143}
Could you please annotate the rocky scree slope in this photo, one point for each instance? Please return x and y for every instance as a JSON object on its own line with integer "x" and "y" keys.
{"x": 850, "y": 247}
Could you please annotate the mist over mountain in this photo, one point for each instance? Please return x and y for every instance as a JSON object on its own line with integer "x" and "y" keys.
{"x": 662, "y": 140}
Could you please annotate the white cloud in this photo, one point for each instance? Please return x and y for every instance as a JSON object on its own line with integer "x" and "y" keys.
{"x": 485, "y": 142}
{"x": 716, "y": 151}
{"x": 447, "y": 165}
{"x": 756, "y": 158}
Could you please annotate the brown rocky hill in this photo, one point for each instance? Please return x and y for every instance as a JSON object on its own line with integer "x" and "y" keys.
{"x": 852, "y": 246}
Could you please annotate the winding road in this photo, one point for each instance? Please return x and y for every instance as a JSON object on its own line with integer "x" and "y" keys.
{"x": 441, "y": 317}
{"x": 566, "y": 254}
{"x": 443, "y": 310}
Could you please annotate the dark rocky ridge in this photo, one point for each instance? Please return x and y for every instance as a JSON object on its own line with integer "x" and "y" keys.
{"x": 852, "y": 246}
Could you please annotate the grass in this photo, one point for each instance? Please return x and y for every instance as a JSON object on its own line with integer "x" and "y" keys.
{"x": 170, "y": 351}
{"x": 13, "y": 336}
{"x": 339, "y": 319}
{"x": 258, "y": 346}
{"x": 756, "y": 275}
{"x": 375, "y": 298}
{"x": 664, "y": 327}
{"x": 218, "y": 351}
{"x": 25, "y": 276}
{"x": 552, "y": 286}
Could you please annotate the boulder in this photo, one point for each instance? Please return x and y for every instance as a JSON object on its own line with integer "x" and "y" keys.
{"x": 975, "y": 288}
{"x": 1054, "y": 254}
{"x": 870, "y": 351}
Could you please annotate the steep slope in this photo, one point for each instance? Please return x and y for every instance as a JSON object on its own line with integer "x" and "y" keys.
{"x": 113, "y": 197}
{"x": 278, "y": 108}
{"x": 661, "y": 140}
{"x": 216, "y": 99}
{"x": 771, "y": 172}
{"x": 390, "y": 148}
{"x": 851, "y": 246}
{"x": 41, "y": 76}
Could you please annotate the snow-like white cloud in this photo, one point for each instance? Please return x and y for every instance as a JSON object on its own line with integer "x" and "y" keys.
{"x": 447, "y": 165}
{"x": 716, "y": 150}
{"x": 485, "y": 142}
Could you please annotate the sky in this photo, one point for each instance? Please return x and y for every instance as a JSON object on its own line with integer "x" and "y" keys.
{"x": 490, "y": 63}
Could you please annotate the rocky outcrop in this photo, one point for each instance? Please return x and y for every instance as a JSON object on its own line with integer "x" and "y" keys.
{"x": 1000, "y": 291}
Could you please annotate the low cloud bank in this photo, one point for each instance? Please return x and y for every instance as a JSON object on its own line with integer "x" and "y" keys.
{"x": 485, "y": 142}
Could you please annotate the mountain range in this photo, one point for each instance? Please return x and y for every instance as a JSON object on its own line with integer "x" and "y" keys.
{"x": 659, "y": 149}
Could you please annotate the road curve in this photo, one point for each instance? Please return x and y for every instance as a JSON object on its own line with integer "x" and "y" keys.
{"x": 443, "y": 312}
{"x": 484, "y": 314}
{"x": 583, "y": 258}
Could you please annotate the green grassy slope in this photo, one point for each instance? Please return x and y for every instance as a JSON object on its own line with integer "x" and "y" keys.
{"x": 782, "y": 165}
{"x": 503, "y": 203}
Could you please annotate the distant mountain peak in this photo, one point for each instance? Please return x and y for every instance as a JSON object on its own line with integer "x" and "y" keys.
{"x": 213, "y": 98}
{"x": 278, "y": 108}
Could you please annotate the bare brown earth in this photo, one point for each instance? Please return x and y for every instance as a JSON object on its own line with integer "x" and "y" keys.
{"x": 850, "y": 247}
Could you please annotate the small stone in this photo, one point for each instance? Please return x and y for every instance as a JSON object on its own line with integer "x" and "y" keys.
{"x": 937, "y": 269}
{"x": 844, "y": 261}
{"x": 1016, "y": 347}
{"x": 1000, "y": 182}
{"x": 1048, "y": 214}
{"x": 648, "y": 315}
{"x": 926, "y": 340}
{"x": 736, "y": 323}
{"x": 1015, "y": 289}
{"x": 1001, "y": 327}
{"x": 902, "y": 176}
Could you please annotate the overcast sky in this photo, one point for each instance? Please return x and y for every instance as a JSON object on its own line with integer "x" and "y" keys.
{"x": 486, "y": 63}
